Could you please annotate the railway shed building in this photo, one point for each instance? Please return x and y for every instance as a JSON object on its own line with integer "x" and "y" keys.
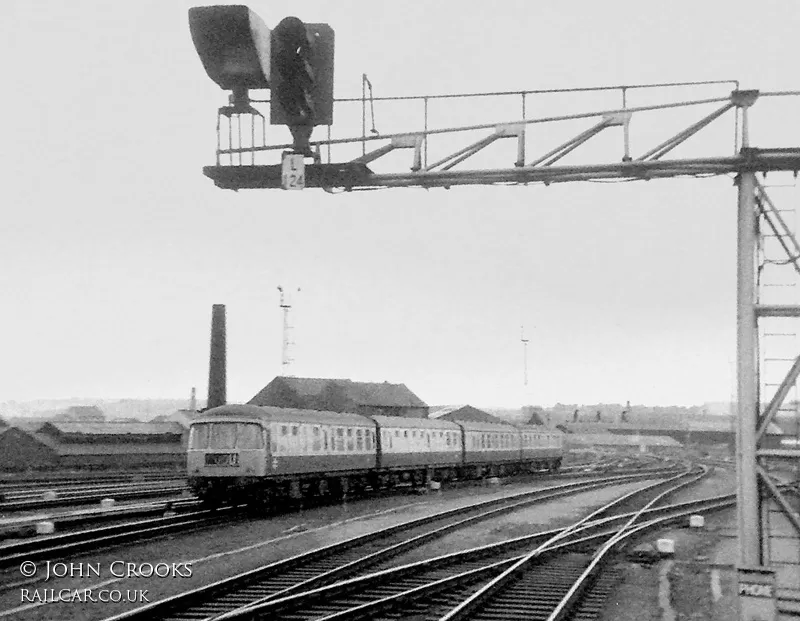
{"x": 115, "y": 445}
{"x": 341, "y": 395}
{"x": 463, "y": 413}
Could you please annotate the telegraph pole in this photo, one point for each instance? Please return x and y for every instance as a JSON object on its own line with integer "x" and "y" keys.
{"x": 285, "y": 306}
{"x": 524, "y": 342}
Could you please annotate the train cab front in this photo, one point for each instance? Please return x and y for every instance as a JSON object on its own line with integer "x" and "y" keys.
{"x": 225, "y": 458}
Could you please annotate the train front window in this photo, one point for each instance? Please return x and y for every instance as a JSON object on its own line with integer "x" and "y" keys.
{"x": 223, "y": 436}
{"x": 226, "y": 436}
{"x": 198, "y": 437}
{"x": 249, "y": 436}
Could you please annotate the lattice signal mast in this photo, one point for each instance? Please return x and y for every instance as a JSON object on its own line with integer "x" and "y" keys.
{"x": 286, "y": 360}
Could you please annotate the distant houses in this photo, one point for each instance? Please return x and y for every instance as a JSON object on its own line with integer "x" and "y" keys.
{"x": 84, "y": 413}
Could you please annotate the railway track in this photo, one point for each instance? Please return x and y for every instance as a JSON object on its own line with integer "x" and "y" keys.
{"x": 93, "y": 495}
{"x": 56, "y": 546}
{"x": 462, "y": 585}
{"x": 10, "y": 482}
{"x": 27, "y": 493}
{"x": 321, "y": 568}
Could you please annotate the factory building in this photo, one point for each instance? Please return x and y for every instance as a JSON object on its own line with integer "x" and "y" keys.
{"x": 341, "y": 395}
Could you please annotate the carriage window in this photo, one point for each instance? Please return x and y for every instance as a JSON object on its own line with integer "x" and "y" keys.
{"x": 396, "y": 433}
{"x": 350, "y": 442}
{"x": 284, "y": 430}
{"x": 447, "y": 439}
{"x": 413, "y": 434}
{"x": 325, "y": 438}
{"x": 316, "y": 444}
{"x": 405, "y": 433}
{"x": 294, "y": 431}
{"x": 368, "y": 440}
{"x": 339, "y": 439}
{"x": 359, "y": 440}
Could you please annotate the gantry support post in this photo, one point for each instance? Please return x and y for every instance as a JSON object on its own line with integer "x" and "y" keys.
{"x": 757, "y": 596}
{"x": 756, "y": 581}
{"x": 748, "y": 496}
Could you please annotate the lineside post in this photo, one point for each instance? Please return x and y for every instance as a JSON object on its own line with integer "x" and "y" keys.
{"x": 756, "y": 600}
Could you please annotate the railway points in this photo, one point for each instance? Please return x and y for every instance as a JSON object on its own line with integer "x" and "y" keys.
{"x": 222, "y": 591}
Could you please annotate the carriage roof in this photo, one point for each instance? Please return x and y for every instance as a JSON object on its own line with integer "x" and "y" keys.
{"x": 268, "y": 414}
{"x": 407, "y": 422}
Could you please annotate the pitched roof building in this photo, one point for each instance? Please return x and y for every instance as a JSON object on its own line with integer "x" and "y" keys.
{"x": 463, "y": 413}
{"x": 115, "y": 444}
{"x": 341, "y": 395}
{"x": 114, "y": 432}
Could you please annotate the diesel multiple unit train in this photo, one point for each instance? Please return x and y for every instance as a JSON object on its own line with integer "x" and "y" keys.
{"x": 259, "y": 455}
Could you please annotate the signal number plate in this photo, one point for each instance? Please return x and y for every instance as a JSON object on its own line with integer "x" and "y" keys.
{"x": 293, "y": 172}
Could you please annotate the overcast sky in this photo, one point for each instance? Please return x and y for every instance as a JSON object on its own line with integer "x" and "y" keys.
{"x": 114, "y": 246}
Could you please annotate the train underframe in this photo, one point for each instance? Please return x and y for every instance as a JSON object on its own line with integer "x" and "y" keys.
{"x": 267, "y": 492}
